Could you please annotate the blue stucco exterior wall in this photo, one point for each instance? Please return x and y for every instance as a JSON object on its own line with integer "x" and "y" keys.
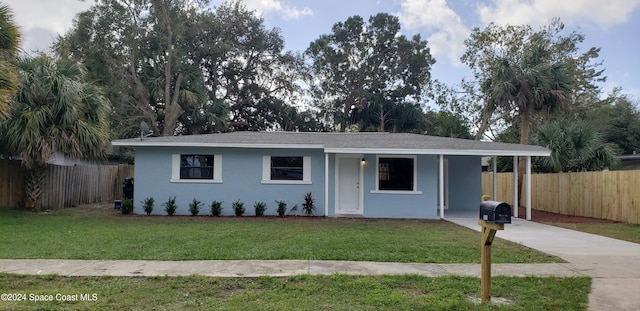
{"x": 242, "y": 176}
{"x": 241, "y": 179}
{"x": 465, "y": 182}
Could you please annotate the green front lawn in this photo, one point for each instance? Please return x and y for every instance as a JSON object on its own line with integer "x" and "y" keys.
{"x": 621, "y": 231}
{"x": 305, "y": 292}
{"x": 99, "y": 232}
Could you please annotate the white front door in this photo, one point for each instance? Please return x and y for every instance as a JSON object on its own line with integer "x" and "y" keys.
{"x": 348, "y": 191}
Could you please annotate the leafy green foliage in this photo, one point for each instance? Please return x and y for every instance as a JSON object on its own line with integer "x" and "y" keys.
{"x": 127, "y": 206}
{"x": 185, "y": 66}
{"x": 260, "y": 208}
{"x": 216, "y": 208}
{"x": 617, "y": 117}
{"x": 147, "y": 205}
{"x": 170, "y": 206}
{"x": 9, "y": 44}
{"x": 309, "y": 206}
{"x": 367, "y": 72}
{"x": 575, "y": 147}
{"x": 446, "y": 124}
{"x": 238, "y": 208}
{"x": 194, "y": 207}
{"x": 282, "y": 208}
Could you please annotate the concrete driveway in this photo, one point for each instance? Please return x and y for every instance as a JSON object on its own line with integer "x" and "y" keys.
{"x": 613, "y": 264}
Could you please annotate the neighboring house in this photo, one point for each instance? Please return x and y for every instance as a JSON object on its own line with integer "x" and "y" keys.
{"x": 629, "y": 162}
{"x": 59, "y": 158}
{"x": 377, "y": 175}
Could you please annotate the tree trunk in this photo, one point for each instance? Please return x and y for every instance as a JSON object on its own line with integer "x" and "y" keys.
{"x": 525, "y": 128}
{"x": 485, "y": 116}
{"x": 382, "y": 120}
{"x": 172, "y": 109}
{"x": 34, "y": 186}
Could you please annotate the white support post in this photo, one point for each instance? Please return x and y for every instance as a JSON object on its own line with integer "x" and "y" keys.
{"x": 528, "y": 188}
{"x": 515, "y": 187}
{"x": 495, "y": 179}
{"x": 326, "y": 184}
{"x": 441, "y": 186}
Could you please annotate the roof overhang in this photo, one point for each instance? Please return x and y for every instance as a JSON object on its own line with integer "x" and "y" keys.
{"x": 503, "y": 153}
{"x": 217, "y": 145}
{"x": 476, "y": 152}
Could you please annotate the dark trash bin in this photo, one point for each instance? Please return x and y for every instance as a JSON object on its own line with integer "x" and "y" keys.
{"x": 127, "y": 188}
{"x": 496, "y": 212}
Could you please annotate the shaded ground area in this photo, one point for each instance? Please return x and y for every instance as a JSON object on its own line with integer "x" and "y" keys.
{"x": 548, "y": 217}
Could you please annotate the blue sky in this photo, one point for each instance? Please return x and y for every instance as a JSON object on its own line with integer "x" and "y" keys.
{"x": 613, "y": 25}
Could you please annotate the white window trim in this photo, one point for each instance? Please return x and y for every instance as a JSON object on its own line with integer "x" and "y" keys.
{"x": 217, "y": 170}
{"x": 306, "y": 173}
{"x": 415, "y": 175}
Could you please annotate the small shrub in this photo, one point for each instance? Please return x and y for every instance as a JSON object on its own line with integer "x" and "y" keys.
{"x": 127, "y": 206}
{"x": 216, "y": 208}
{"x": 282, "y": 208}
{"x": 194, "y": 207}
{"x": 260, "y": 208}
{"x": 308, "y": 207}
{"x": 170, "y": 206}
{"x": 147, "y": 205}
{"x": 238, "y": 207}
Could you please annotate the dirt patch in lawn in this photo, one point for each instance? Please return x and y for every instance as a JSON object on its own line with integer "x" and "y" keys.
{"x": 547, "y": 217}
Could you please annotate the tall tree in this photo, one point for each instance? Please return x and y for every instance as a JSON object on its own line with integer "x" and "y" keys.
{"x": 55, "y": 110}
{"x": 183, "y": 66}
{"x": 499, "y": 53}
{"x": 527, "y": 73}
{"x": 136, "y": 49}
{"x": 368, "y": 66}
{"x": 9, "y": 43}
{"x": 245, "y": 64}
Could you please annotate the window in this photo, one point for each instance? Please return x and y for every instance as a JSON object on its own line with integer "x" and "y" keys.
{"x": 196, "y": 168}
{"x": 286, "y": 169}
{"x": 396, "y": 174}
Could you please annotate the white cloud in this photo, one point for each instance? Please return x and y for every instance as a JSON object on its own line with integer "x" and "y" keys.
{"x": 448, "y": 31}
{"x": 279, "y": 7}
{"x": 40, "y": 21}
{"x": 605, "y": 13}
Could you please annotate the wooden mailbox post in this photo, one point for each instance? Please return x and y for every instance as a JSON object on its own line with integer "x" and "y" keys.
{"x": 489, "y": 230}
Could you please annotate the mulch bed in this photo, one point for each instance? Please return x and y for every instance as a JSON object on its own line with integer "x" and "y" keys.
{"x": 543, "y": 216}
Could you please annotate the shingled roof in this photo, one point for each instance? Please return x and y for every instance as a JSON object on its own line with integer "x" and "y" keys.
{"x": 386, "y": 143}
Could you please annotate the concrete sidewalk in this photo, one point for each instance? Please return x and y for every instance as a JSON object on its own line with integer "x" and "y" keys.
{"x": 613, "y": 264}
{"x": 255, "y": 268}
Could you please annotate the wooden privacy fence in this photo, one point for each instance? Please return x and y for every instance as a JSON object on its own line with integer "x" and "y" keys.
{"x": 607, "y": 195}
{"x": 65, "y": 185}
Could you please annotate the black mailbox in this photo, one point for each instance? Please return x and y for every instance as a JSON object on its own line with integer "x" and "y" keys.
{"x": 496, "y": 212}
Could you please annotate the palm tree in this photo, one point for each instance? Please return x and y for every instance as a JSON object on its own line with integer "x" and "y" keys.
{"x": 9, "y": 43}
{"x": 55, "y": 109}
{"x": 575, "y": 147}
{"x": 528, "y": 85}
